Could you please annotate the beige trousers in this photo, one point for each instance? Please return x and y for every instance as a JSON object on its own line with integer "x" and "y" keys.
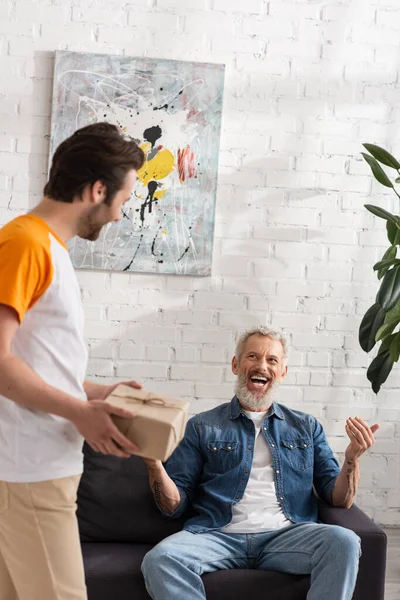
{"x": 40, "y": 552}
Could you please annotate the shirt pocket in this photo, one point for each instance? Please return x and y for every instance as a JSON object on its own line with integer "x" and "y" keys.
{"x": 222, "y": 455}
{"x": 299, "y": 453}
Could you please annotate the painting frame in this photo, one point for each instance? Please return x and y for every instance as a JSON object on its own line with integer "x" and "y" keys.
{"x": 173, "y": 110}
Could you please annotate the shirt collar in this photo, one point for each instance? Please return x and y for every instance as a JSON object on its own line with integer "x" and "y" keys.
{"x": 236, "y": 409}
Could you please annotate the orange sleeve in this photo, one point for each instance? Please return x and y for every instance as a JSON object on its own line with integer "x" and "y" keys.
{"x": 26, "y": 269}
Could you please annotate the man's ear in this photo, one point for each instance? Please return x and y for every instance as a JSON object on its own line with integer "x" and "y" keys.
{"x": 98, "y": 192}
{"x": 235, "y": 365}
{"x": 284, "y": 372}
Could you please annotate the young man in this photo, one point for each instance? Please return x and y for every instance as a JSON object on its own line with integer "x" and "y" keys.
{"x": 248, "y": 468}
{"x": 44, "y": 416}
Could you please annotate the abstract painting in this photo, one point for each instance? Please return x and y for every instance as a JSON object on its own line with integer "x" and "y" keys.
{"x": 172, "y": 109}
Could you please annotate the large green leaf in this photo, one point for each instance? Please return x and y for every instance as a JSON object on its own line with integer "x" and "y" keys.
{"x": 389, "y": 262}
{"x": 393, "y": 233}
{"x": 390, "y": 254}
{"x": 383, "y": 156}
{"x": 392, "y": 319}
{"x": 382, "y": 213}
{"x": 395, "y": 348}
{"x": 389, "y": 293}
{"x": 379, "y": 370}
{"x": 386, "y": 343}
{"x": 372, "y": 321}
{"x": 377, "y": 170}
{"x": 385, "y": 330}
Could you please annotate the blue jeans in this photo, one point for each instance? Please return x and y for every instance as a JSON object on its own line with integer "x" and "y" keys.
{"x": 173, "y": 569}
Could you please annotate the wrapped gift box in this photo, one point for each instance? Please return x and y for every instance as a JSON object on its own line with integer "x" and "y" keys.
{"x": 159, "y": 424}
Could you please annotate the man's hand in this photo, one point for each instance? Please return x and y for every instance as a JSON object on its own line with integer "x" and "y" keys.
{"x": 361, "y": 437}
{"x": 94, "y": 423}
{"x": 96, "y": 391}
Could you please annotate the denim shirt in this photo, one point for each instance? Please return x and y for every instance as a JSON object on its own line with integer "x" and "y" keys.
{"x": 212, "y": 464}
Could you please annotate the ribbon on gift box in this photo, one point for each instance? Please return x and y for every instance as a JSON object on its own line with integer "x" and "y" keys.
{"x": 152, "y": 399}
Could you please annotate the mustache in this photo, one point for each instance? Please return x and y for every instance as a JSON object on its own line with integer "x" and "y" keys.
{"x": 262, "y": 374}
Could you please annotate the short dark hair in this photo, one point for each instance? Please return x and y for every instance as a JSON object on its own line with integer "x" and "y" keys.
{"x": 97, "y": 152}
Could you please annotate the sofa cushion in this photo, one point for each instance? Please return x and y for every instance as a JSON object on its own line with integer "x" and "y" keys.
{"x": 113, "y": 570}
{"x": 115, "y": 503}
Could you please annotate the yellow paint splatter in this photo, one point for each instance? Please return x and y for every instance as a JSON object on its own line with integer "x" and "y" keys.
{"x": 160, "y": 194}
{"x": 164, "y": 232}
{"x": 146, "y": 147}
{"x": 157, "y": 168}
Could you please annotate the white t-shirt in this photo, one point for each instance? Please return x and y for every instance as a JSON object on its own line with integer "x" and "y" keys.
{"x": 38, "y": 280}
{"x": 259, "y": 509}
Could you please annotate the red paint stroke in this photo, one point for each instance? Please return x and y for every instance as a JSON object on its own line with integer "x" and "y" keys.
{"x": 186, "y": 164}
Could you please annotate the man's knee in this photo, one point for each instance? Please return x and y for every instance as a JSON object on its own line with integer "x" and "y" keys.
{"x": 158, "y": 558}
{"x": 344, "y": 541}
{"x": 152, "y": 559}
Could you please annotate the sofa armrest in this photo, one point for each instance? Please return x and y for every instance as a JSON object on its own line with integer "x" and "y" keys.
{"x": 371, "y": 574}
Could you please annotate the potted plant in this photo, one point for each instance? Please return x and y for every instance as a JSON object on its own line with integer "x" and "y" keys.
{"x": 381, "y": 322}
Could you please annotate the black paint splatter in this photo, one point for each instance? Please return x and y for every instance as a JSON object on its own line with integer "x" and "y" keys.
{"x": 152, "y": 187}
{"x": 152, "y": 134}
{"x": 135, "y": 254}
{"x": 165, "y": 107}
{"x": 187, "y": 247}
{"x": 154, "y": 241}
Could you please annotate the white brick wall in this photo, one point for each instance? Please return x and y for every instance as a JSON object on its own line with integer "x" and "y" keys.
{"x": 307, "y": 82}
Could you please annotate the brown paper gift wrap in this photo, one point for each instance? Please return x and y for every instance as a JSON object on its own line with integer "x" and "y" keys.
{"x": 159, "y": 424}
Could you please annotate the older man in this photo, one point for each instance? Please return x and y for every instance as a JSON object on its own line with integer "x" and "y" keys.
{"x": 248, "y": 469}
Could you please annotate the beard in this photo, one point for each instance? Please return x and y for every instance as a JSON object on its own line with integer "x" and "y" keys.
{"x": 252, "y": 400}
{"x": 90, "y": 225}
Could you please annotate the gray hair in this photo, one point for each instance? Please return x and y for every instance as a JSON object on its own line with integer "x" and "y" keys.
{"x": 273, "y": 334}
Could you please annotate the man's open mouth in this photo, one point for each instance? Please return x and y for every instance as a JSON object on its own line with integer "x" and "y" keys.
{"x": 259, "y": 382}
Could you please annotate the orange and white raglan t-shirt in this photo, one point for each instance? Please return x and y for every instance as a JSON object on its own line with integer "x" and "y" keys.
{"x": 38, "y": 281}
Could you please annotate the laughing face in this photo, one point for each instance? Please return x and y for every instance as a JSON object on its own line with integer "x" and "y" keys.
{"x": 260, "y": 369}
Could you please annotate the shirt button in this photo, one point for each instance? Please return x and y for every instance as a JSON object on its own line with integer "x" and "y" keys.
{"x": 237, "y": 497}
{"x": 215, "y": 449}
{"x": 229, "y": 447}
{"x": 250, "y": 448}
{"x": 246, "y": 471}
{"x": 273, "y": 445}
{"x": 281, "y": 498}
{"x": 277, "y": 472}
{"x": 290, "y": 446}
{"x": 265, "y": 429}
{"x": 305, "y": 445}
